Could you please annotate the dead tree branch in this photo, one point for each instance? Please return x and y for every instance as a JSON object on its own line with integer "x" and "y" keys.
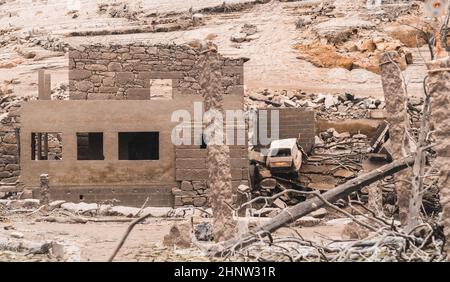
{"x": 293, "y": 213}
{"x": 127, "y": 232}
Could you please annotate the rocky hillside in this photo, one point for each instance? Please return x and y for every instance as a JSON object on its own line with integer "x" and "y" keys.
{"x": 325, "y": 46}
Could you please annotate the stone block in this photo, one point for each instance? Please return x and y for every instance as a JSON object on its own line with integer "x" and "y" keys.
{"x": 84, "y": 86}
{"x": 96, "y": 67}
{"x": 124, "y": 77}
{"x": 199, "y": 201}
{"x": 186, "y": 186}
{"x": 138, "y": 94}
{"x": 115, "y": 67}
{"x": 79, "y": 74}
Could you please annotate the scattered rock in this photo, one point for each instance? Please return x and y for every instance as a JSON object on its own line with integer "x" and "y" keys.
{"x": 330, "y": 101}
{"x": 354, "y": 231}
{"x": 65, "y": 251}
{"x": 238, "y": 38}
{"x": 179, "y": 236}
{"x": 249, "y": 29}
{"x": 320, "y": 213}
{"x": 307, "y": 221}
{"x": 203, "y": 232}
{"x": 17, "y": 235}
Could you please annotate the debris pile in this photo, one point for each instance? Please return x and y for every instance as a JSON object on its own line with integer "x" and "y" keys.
{"x": 335, "y": 159}
{"x": 61, "y": 92}
{"x": 327, "y": 106}
{"x": 48, "y": 42}
{"x": 330, "y": 107}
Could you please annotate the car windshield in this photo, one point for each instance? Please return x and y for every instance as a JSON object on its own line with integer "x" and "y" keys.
{"x": 280, "y": 152}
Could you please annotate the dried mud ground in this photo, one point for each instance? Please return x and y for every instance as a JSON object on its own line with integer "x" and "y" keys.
{"x": 97, "y": 241}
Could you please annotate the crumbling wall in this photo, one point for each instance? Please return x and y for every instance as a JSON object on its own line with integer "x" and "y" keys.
{"x": 9, "y": 149}
{"x": 98, "y": 72}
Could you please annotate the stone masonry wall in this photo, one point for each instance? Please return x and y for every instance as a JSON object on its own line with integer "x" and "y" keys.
{"x": 9, "y": 149}
{"x": 126, "y": 71}
{"x": 98, "y": 72}
{"x": 192, "y": 172}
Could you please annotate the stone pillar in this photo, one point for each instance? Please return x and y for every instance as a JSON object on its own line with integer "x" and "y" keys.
{"x": 439, "y": 89}
{"x": 218, "y": 155}
{"x": 45, "y": 190}
{"x": 395, "y": 99}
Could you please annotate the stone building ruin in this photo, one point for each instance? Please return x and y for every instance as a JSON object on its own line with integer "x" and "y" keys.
{"x": 94, "y": 146}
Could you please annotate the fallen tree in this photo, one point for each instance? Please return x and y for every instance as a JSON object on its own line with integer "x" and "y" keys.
{"x": 293, "y": 213}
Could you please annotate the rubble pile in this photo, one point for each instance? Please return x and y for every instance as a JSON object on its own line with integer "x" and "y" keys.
{"x": 120, "y": 10}
{"x": 330, "y": 107}
{"x": 49, "y": 42}
{"x": 6, "y": 36}
{"x": 61, "y": 92}
{"x": 336, "y": 158}
{"x": 327, "y": 106}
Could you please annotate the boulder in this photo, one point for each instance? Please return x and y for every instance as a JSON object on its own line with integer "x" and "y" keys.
{"x": 238, "y": 37}
{"x": 330, "y": 101}
{"x": 179, "y": 236}
{"x": 320, "y": 213}
{"x": 249, "y": 29}
{"x": 17, "y": 235}
{"x": 66, "y": 251}
{"x": 203, "y": 232}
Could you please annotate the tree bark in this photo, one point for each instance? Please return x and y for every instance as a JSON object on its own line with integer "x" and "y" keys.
{"x": 395, "y": 99}
{"x": 218, "y": 154}
{"x": 439, "y": 88}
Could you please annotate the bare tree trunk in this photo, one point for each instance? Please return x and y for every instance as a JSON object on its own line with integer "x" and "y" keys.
{"x": 395, "y": 98}
{"x": 439, "y": 87}
{"x": 293, "y": 213}
{"x": 375, "y": 201}
{"x": 415, "y": 204}
{"x": 221, "y": 197}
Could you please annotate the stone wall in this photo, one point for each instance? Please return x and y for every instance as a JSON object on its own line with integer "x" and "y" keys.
{"x": 192, "y": 174}
{"x": 127, "y": 71}
{"x": 9, "y": 149}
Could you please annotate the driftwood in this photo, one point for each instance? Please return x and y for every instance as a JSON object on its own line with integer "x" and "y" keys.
{"x": 125, "y": 235}
{"x": 293, "y": 213}
{"x": 82, "y": 220}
